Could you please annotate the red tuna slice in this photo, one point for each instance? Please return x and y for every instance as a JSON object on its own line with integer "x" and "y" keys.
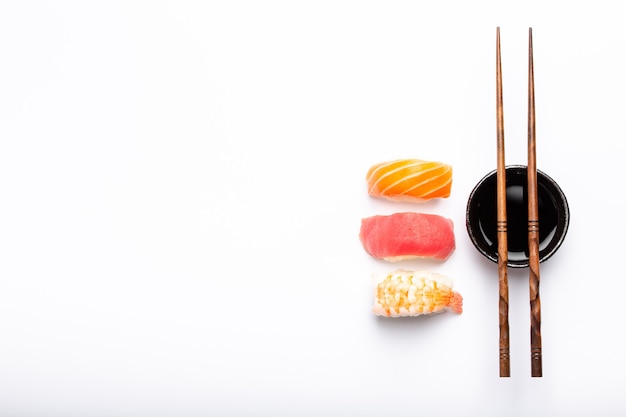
{"x": 408, "y": 235}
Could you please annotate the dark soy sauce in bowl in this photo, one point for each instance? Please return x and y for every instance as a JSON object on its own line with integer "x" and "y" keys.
{"x": 482, "y": 212}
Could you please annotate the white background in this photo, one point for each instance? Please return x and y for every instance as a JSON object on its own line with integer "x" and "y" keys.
{"x": 182, "y": 183}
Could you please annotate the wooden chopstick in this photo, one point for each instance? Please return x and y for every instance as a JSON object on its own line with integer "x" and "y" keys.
{"x": 533, "y": 223}
{"x": 503, "y": 251}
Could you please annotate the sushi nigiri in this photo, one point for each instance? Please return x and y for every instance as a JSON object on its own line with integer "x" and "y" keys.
{"x": 408, "y": 235}
{"x": 410, "y": 180}
{"x": 413, "y": 293}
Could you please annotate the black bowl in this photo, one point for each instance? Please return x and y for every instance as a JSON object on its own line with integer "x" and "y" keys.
{"x": 480, "y": 216}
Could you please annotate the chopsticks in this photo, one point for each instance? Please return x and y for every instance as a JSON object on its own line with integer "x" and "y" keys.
{"x": 533, "y": 223}
{"x": 503, "y": 251}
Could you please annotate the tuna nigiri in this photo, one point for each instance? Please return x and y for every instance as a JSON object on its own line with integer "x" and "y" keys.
{"x": 410, "y": 180}
{"x": 408, "y": 235}
{"x": 413, "y": 293}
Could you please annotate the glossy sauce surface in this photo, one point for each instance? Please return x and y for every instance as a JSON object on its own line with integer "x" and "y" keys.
{"x": 517, "y": 216}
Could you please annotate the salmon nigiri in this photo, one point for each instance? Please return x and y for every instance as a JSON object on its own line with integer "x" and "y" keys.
{"x": 413, "y": 293}
{"x": 410, "y": 180}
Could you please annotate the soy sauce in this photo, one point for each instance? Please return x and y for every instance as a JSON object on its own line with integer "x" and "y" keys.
{"x": 517, "y": 216}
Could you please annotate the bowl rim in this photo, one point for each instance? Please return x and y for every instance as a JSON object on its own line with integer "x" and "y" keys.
{"x": 560, "y": 201}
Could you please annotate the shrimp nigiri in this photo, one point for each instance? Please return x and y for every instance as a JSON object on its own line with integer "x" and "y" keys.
{"x": 413, "y": 293}
{"x": 412, "y": 180}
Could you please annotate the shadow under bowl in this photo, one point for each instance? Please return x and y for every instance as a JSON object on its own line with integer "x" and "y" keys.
{"x": 481, "y": 216}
